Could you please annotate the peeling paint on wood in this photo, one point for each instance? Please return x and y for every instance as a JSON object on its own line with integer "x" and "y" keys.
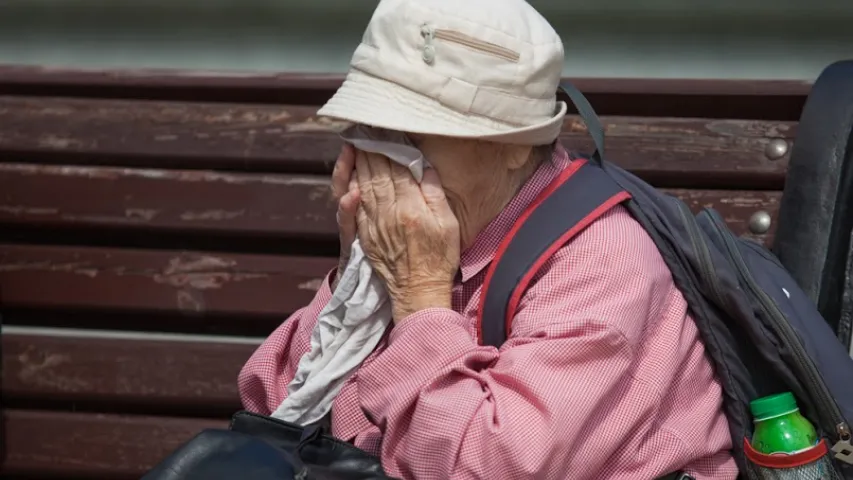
{"x": 150, "y": 281}
{"x": 19, "y": 210}
{"x": 318, "y": 124}
{"x": 216, "y": 215}
{"x": 175, "y": 200}
{"x": 202, "y": 272}
{"x": 313, "y": 285}
{"x": 190, "y": 301}
{"x": 111, "y": 173}
{"x": 145, "y": 214}
{"x": 198, "y": 374}
{"x": 77, "y": 268}
{"x": 34, "y": 362}
{"x": 96, "y": 446}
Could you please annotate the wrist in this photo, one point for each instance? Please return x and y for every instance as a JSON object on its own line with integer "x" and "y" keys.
{"x": 415, "y": 300}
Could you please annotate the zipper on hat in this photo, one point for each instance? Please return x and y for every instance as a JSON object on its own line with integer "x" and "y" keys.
{"x": 428, "y": 51}
{"x": 478, "y": 45}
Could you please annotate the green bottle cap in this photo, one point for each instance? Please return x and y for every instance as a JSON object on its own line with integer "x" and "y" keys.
{"x": 773, "y": 406}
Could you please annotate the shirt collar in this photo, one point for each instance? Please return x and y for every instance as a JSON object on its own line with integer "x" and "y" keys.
{"x": 476, "y": 257}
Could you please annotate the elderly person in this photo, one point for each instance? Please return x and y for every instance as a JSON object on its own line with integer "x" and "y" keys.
{"x": 604, "y": 375}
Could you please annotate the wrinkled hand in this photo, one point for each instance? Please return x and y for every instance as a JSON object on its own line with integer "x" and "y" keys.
{"x": 345, "y": 191}
{"x": 408, "y": 232}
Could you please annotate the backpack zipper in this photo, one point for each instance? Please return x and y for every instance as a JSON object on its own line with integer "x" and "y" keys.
{"x": 789, "y": 336}
{"x": 468, "y": 41}
{"x": 706, "y": 265}
{"x": 757, "y": 248}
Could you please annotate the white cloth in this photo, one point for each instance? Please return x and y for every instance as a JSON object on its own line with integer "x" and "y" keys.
{"x": 355, "y": 319}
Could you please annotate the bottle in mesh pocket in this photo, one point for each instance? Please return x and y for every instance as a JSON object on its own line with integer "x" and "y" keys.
{"x": 812, "y": 464}
{"x": 785, "y": 444}
{"x": 779, "y": 426}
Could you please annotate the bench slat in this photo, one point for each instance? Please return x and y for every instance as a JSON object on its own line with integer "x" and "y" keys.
{"x": 248, "y": 204}
{"x": 92, "y": 446}
{"x": 667, "y": 151}
{"x": 296, "y": 206}
{"x": 192, "y": 283}
{"x": 13, "y": 75}
{"x": 676, "y": 97}
{"x": 149, "y": 374}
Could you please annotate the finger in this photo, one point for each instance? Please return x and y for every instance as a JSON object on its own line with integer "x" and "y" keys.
{"x": 362, "y": 225}
{"x": 380, "y": 173}
{"x": 434, "y": 195}
{"x": 342, "y": 173}
{"x": 349, "y": 203}
{"x": 347, "y": 208}
{"x": 364, "y": 180}
{"x": 353, "y": 183}
{"x": 404, "y": 182}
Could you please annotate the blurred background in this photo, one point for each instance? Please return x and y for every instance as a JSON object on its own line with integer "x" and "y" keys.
{"x": 746, "y": 39}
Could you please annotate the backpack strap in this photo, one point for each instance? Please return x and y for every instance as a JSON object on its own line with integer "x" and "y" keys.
{"x": 579, "y": 196}
{"x": 589, "y": 117}
{"x": 560, "y": 212}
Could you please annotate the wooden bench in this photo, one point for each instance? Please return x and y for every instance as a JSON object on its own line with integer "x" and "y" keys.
{"x": 154, "y": 226}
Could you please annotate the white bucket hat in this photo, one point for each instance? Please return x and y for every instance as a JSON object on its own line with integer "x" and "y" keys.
{"x": 486, "y": 69}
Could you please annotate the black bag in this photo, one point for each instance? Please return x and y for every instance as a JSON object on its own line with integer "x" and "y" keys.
{"x": 257, "y": 447}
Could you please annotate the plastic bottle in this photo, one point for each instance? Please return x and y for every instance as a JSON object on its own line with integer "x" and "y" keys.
{"x": 779, "y": 426}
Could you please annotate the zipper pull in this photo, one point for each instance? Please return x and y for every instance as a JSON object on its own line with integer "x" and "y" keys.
{"x": 428, "y": 51}
{"x": 842, "y": 449}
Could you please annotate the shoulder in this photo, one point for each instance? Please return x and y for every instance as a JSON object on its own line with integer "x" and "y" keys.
{"x": 619, "y": 244}
{"x": 610, "y": 275}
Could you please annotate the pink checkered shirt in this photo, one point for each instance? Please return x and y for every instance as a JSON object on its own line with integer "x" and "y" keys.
{"x": 603, "y": 377}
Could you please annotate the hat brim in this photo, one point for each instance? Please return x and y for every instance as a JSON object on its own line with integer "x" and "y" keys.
{"x": 369, "y": 100}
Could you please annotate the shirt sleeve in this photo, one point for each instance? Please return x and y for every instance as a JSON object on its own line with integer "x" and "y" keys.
{"x": 545, "y": 405}
{"x": 263, "y": 381}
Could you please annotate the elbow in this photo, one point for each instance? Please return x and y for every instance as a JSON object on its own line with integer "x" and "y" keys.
{"x": 252, "y": 391}
{"x": 262, "y": 382}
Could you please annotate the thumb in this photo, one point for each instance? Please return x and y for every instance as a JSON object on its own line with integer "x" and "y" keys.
{"x": 434, "y": 194}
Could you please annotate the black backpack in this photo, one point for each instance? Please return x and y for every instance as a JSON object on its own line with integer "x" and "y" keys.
{"x": 762, "y": 332}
